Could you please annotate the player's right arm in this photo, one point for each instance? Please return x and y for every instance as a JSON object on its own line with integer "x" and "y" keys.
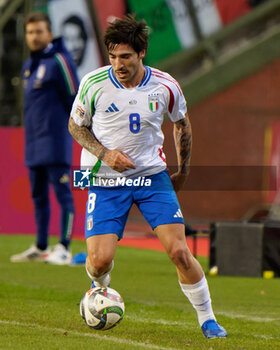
{"x": 115, "y": 159}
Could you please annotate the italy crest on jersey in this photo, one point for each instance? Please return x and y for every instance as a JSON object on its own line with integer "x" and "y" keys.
{"x": 41, "y": 71}
{"x": 153, "y": 100}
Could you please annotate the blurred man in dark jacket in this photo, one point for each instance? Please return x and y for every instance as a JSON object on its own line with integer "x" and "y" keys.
{"x": 50, "y": 85}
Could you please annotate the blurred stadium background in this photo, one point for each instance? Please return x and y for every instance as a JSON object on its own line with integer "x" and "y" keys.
{"x": 226, "y": 56}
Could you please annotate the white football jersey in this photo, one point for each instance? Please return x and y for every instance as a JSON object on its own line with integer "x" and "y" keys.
{"x": 128, "y": 119}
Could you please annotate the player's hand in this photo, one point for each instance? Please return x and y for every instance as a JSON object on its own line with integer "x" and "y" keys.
{"x": 178, "y": 179}
{"x": 118, "y": 161}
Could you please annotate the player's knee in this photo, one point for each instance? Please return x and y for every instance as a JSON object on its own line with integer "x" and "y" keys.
{"x": 100, "y": 264}
{"x": 179, "y": 256}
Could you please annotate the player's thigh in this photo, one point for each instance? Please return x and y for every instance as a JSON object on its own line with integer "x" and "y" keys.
{"x": 107, "y": 211}
{"x": 172, "y": 237}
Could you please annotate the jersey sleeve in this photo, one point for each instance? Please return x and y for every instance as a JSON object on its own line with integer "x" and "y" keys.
{"x": 66, "y": 80}
{"x": 81, "y": 109}
{"x": 177, "y": 106}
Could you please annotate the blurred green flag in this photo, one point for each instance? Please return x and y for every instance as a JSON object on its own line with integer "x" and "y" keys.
{"x": 164, "y": 39}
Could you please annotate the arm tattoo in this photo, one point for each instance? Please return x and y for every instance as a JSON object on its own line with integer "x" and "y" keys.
{"x": 183, "y": 143}
{"x": 86, "y": 139}
{"x": 102, "y": 153}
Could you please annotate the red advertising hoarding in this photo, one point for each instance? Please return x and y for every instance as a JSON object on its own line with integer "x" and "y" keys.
{"x": 17, "y": 212}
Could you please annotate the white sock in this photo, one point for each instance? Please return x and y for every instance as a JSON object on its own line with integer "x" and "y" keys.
{"x": 199, "y": 296}
{"x": 101, "y": 281}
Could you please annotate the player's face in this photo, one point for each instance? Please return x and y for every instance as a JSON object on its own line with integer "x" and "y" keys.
{"x": 37, "y": 35}
{"x": 127, "y": 64}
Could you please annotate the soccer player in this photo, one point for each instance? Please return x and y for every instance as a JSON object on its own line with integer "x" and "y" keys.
{"x": 50, "y": 84}
{"x": 117, "y": 117}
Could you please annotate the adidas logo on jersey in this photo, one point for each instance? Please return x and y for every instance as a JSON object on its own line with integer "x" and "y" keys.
{"x": 112, "y": 108}
{"x": 178, "y": 214}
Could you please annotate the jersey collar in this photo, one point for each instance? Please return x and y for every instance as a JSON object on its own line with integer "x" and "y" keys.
{"x": 118, "y": 85}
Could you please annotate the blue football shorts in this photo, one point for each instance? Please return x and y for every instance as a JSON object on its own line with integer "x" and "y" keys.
{"x": 108, "y": 207}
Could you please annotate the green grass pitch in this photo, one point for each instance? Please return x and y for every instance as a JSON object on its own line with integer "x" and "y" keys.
{"x": 39, "y": 305}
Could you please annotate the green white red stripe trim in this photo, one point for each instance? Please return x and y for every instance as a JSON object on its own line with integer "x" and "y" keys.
{"x": 168, "y": 78}
{"x": 91, "y": 80}
{"x": 67, "y": 74}
{"x": 69, "y": 226}
{"x": 171, "y": 98}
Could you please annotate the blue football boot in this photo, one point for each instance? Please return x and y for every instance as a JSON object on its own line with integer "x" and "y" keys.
{"x": 212, "y": 329}
{"x": 92, "y": 285}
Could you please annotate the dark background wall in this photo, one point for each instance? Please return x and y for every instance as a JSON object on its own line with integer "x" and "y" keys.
{"x": 229, "y": 130}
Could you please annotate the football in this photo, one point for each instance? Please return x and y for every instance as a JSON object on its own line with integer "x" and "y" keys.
{"x": 102, "y": 308}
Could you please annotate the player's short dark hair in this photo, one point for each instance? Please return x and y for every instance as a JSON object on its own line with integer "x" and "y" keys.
{"x": 78, "y": 22}
{"x": 127, "y": 31}
{"x": 38, "y": 17}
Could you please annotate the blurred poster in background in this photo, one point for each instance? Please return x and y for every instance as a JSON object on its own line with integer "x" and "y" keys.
{"x": 164, "y": 22}
{"x": 172, "y": 25}
{"x": 208, "y": 16}
{"x": 71, "y": 19}
{"x": 231, "y": 10}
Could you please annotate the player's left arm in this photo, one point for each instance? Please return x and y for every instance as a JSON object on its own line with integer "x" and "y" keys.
{"x": 183, "y": 143}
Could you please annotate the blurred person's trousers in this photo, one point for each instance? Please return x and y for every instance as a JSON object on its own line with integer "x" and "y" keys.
{"x": 59, "y": 177}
